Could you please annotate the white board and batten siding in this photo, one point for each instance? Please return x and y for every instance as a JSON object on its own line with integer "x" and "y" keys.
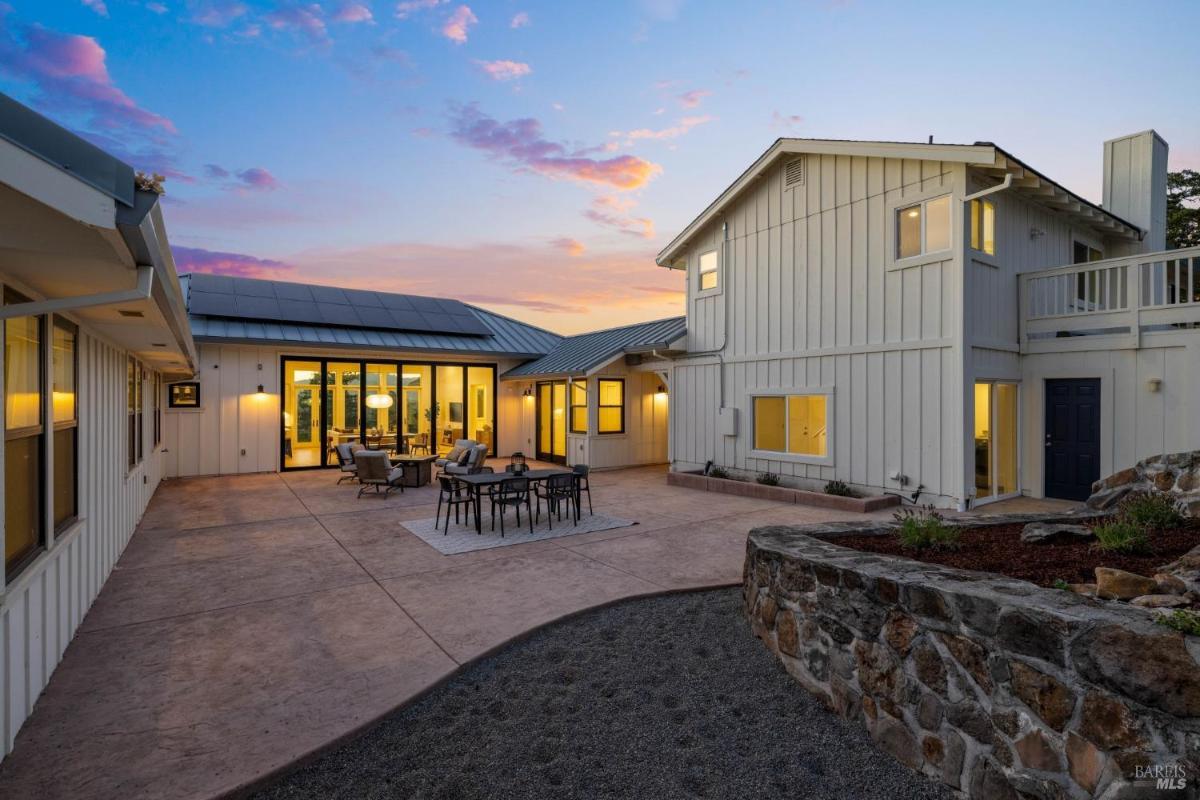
{"x": 41, "y": 610}
{"x": 237, "y": 430}
{"x": 810, "y": 298}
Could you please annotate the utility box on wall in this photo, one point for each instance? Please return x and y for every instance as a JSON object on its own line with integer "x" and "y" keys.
{"x": 727, "y": 421}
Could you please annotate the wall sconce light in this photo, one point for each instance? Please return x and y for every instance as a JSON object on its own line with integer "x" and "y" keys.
{"x": 261, "y": 391}
{"x": 1036, "y": 232}
{"x": 527, "y": 392}
{"x": 662, "y": 389}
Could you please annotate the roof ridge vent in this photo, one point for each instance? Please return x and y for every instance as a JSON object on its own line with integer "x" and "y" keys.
{"x": 793, "y": 173}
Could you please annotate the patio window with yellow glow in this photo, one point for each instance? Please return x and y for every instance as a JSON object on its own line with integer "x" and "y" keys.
{"x": 796, "y": 424}
{"x": 64, "y": 366}
{"x": 610, "y": 417}
{"x": 24, "y": 533}
{"x": 579, "y": 420}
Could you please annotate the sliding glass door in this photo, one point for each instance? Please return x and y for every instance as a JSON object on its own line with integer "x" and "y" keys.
{"x": 400, "y": 407}
{"x": 996, "y": 419}
{"x": 552, "y": 421}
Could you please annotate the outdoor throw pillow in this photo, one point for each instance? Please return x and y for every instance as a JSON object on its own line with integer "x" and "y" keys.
{"x": 454, "y": 455}
{"x": 464, "y": 458}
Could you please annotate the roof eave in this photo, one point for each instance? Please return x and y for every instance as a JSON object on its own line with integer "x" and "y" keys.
{"x": 960, "y": 153}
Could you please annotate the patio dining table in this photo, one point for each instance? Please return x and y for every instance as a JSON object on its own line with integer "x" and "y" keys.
{"x": 476, "y": 482}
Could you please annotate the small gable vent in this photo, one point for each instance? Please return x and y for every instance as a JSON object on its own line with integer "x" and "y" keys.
{"x": 793, "y": 173}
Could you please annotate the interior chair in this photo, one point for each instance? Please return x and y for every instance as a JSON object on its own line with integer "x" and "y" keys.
{"x": 419, "y": 442}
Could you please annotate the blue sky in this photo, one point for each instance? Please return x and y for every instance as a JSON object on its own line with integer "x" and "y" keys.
{"x": 534, "y": 156}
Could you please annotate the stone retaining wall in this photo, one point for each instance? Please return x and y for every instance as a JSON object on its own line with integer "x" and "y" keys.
{"x": 994, "y": 686}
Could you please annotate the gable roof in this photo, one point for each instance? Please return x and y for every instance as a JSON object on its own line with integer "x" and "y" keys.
{"x": 984, "y": 155}
{"x": 579, "y": 355}
{"x": 499, "y": 335}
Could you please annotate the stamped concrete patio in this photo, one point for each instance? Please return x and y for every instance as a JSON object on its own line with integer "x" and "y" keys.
{"x": 255, "y": 619}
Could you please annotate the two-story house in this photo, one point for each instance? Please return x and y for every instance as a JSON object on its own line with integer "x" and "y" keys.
{"x": 935, "y": 317}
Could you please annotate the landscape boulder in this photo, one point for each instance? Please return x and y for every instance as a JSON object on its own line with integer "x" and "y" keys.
{"x": 1055, "y": 532}
{"x": 1186, "y": 569}
{"x": 1176, "y": 474}
{"x": 1117, "y": 584}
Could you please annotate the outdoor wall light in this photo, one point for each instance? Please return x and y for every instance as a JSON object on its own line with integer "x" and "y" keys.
{"x": 261, "y": 390}
{"x": 527, "y": 392}
{"x": 662, "y": 389}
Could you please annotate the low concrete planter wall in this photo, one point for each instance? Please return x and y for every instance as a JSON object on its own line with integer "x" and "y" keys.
{"x": 996, "y": 687}
{"x": 783, "y": 494}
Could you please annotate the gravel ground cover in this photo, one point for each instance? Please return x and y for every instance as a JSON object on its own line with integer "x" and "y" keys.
{"x": 666, "y": 697}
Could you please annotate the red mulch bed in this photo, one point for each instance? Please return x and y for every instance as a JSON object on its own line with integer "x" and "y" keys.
{"x": 1000, "y": 549}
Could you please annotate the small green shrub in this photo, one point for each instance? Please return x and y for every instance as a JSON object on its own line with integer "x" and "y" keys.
{"x": 717, "y": 472}
{"x": 1120, "y": 536}
{"x": 1155, "y": 511}
{"x": 839, "y": 488}
{"x": 923, "y": 528}
{"x": 768, "y": 479}
{"x": 1059, "y": 583}
{"x": 1183, "y": 621}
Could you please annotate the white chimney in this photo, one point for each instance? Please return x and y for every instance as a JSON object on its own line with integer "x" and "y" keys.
{"x": 1135, "y": 184}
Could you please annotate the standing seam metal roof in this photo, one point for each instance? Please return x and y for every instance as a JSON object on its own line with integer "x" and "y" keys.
{"x": 576, "y": 355}
{"x": 506, "y": 337}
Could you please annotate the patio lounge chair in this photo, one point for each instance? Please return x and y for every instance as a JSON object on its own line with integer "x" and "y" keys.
{"x": 512, "y": 492}
{"x": 345, "y": 456}
{"x": 472, "y": 465}
{"x": 374, "y": 469}
{"x": 455, "y": 456}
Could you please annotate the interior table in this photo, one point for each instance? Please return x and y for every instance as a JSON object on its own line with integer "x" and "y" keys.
{"x": 475, "y": 484}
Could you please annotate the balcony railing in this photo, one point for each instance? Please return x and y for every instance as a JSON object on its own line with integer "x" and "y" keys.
{"x": 1118, "y": 297}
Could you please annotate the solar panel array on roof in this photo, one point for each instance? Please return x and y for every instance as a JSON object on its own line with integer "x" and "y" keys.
{"x": 277, "y": 301}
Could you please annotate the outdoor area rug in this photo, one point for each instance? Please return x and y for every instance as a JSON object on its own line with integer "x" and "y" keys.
{"x": 463, "y": 539}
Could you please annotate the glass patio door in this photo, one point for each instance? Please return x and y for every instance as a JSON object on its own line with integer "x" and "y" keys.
{"x": 302, "y": 414}
{"x": 996, "y": 420}
{"x": 552, "y": 421}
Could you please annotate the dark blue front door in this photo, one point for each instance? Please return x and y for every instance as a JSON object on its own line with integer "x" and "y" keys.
{"x": 1072, "y": 437}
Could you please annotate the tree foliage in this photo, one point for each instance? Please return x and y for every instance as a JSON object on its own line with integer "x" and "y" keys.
{"x": 1183, "y": 208}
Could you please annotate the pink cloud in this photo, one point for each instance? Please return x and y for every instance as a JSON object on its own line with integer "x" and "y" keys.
{"x": 520, "y": 143}
{"x": 519, "y": 20}
{"x": 786, "y": 122}
{"x": 573, "y": 247}
{"x": 586, "y": 292}
{"x": 216, "y": 13}
{"x": 353, "y": 12}
{"x": 98, "y": 6}
{"x": 680, "y": 128}
{"x": 71, "y": 77}
{"x": 693, "y": 98}
{"x": 257, "y": 179}
{"x": 405, "y": 8}
{"x": 215, "y": 171}
{"x": 504, "y": 70}
{"x": 613, "y": 212}
{"x": 157, "y": 8}
{"x": 307, "y": 19}
{"x": 215, "y": 262}
{"x": 455, "y": 28}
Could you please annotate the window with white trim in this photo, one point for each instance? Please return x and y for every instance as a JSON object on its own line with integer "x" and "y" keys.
{"x": 983, "y": 226}
{"x": 708, "y": 271}
{"x": 796, "y": 424}
{"x": 923, "y": 227}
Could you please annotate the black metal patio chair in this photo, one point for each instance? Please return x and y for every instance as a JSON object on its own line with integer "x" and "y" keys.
{"x": 557, "y": 490}
{"x": 455, "y": 494}
{"x": 514, "y": 493}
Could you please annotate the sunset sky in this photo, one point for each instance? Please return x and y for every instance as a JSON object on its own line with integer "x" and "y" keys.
{"x": 532, "y": 157}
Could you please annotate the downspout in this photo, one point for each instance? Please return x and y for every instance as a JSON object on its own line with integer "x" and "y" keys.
{"x": 145, "y": 283}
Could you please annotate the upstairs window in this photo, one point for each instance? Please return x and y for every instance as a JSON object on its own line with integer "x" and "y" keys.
{"x": 708, "y": 271}
{"x": 610, "y": 417}
{"x": 1084, "y": 253}
{"x": 923, "y": 227}
{"x": 983, "y": 226}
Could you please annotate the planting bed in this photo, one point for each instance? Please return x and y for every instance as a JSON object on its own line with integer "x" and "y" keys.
{"x": 999, "y": 549}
